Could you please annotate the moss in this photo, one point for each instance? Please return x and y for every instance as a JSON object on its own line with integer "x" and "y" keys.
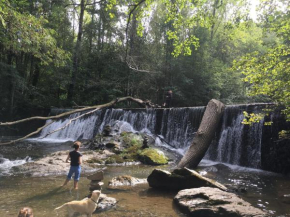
{"x": 98, "y": 137}
{"x": 124, "y": 133}
{"x": 131, "y": 152}
{"x": 114, "y": 159}
{"x": 124, "y": 178}
{"x": 131, "y": 139}
{"x": 95, "y": 160}
{"x": 152, "y": 156}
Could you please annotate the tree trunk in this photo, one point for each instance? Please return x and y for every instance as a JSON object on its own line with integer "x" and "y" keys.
{"x": 204, "y": 135}
{"x": 76, "y": 55}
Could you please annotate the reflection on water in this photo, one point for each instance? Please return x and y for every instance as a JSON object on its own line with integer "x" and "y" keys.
{"x": 265, "y": 190}
{"x": 44, "y": 194}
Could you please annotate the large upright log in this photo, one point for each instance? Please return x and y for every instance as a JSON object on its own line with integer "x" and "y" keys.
{"x": 204, "y": 135}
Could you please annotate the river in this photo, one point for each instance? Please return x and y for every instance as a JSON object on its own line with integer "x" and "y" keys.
{"x": 265, "y": 190}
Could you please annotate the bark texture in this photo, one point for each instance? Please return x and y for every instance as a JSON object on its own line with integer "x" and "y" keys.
{"x": 204, "y": 135}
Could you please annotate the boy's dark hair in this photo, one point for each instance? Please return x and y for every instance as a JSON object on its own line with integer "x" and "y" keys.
{"x": 77, "y": 145}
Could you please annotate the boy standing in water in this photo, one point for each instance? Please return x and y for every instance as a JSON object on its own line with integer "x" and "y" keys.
{"x": 75, "y": 164}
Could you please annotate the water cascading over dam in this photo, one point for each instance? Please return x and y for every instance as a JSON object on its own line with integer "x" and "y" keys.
{"x": 234, "y": 143}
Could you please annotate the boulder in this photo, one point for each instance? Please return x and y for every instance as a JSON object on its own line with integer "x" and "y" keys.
{"x": 180, "y": 179}
{"x": 145, "y": 143}
{"x": 153, "y": 156}
{"x": 211, "y": 202}
{"x": 107, "y": 130}
{"x": 54, "y": 164}
{"x": 113, "y": 144}
{"x": 105, "y": 203}
{"x": 98, "y": 176}
{"x": 96, "y": 185}
{"x": 124, "y": 181}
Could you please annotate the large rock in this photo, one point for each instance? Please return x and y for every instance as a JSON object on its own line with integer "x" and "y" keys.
{"x": 113, "y": 145}
{"x": 180, "y": 179}
{"x": 55, "y": 163}
{"x": 105, "y": 203}
{"x": 212, "y": 202}
{"x": 153, "y": 156}
{"x": 96, "y": 185}
{"x": 121, "y": 182}
{"x": 98, "y": 176}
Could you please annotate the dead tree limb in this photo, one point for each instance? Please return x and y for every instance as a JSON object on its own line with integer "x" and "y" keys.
{"x": 145, "y": 104}
{"x": 89, "y": 109}
{"x": 27, "y": 136}
{"x": 204, "y": 135}
{"x": 69, "y": 122}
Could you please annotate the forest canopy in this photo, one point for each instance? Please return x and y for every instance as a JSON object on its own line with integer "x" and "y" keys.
{"x": 87, "y": 52}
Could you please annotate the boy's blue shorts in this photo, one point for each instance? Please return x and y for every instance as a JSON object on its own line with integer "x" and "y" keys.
{"x": 74, "y": 170}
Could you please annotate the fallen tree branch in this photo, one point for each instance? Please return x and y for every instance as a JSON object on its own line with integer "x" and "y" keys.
{"x": 92, "y": 109}
{"x": 27, "y": 136}
{"x": 69, "y": 122}
{"x": 140, "y": 102}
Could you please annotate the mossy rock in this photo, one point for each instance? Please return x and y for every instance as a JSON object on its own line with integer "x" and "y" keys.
{"x": 131, "y": 139}
{"x": 114, "y": 159}
{"x": 95, "y": 160}
{"x": 152, "y": 156}
{"x": 98, "y": 137}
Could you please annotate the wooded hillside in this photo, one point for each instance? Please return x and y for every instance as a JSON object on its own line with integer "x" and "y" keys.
{"x": 87, "y": 52}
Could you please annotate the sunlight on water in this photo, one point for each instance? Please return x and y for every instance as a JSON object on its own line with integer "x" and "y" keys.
{"x": 44, "y": 194}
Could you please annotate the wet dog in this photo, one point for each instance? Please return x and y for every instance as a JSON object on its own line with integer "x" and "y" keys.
{"x": 25, "y": 212}
{"x": 84, "y": 206}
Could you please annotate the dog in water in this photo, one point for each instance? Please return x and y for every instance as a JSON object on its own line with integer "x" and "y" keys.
{"x": 84, "y": 206}
{"x": 25, "y": 212}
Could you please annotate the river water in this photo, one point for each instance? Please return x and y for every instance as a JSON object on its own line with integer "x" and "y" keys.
{"x": 265, "y": 190}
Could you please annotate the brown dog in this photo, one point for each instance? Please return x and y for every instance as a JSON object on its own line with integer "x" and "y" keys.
{"x": 25, "y": 212}
{"x": 84, "y": 206}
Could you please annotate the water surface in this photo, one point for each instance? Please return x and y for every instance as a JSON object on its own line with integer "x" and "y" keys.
{"x": 265, "y": 190}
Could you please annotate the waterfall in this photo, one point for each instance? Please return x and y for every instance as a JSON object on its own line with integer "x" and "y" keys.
{"x": 237, "y": 143}
{"x": 82, "y": 128}
{"x": 234, "y": 143}
{"x": 180, "y": 124}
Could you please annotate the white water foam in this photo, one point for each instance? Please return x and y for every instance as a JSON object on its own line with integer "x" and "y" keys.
{"x": 6, "y": 164}
{"x": 49, "y": 140}
{"x": 207, "y": 163}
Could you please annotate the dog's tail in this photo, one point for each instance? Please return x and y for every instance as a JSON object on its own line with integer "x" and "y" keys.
{"x": 60, "y": 206}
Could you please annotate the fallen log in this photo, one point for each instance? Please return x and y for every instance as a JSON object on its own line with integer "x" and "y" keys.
{"x": 83, "y": 112}
{"x": 180, "y": 179}
{"x": 204, "y": 135}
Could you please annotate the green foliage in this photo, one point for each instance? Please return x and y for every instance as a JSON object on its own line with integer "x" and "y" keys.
{"x": 26, "y": 33}
{"x": 186, "y": 46}
{"x": 249, "y": 119}
{"x": 269, "y": 74}
{"x": 284, "y": 134}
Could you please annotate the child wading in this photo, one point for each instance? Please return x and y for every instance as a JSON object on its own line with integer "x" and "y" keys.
{"x": 75, "y": 164}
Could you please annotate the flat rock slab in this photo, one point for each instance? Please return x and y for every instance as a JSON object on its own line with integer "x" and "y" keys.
{"x": 98, "y": 176}
{"x": 211, "y": 202}
{"x": 123, "y": 182}
{"x": 54, "y": 164}
{"x": 105, "y": 203}
{"x": 180, "y": 179}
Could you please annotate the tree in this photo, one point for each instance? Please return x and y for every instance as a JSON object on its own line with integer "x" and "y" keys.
{"x": 25, "y": 45}
{"x": 268, "y": 72}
